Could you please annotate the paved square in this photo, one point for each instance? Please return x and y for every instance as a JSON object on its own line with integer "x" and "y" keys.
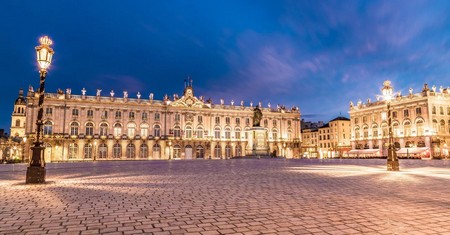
{"x": 257, "y": 196}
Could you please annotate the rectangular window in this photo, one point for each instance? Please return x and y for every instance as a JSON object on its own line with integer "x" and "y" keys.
{"x": 105, "y": 114}
{"x": 356, "y": 120}
{"x": 157, "y": 117}
{"x": 227, "y": 120}
{"x": 238, "y": 121}
{"x": 365, "y": 119}
{"x": 48, "y": 111}
{"x": 394, "y": 114}
{"x": 90, "y": 113}
{"x": 200, "y": 119}
{"x": 131, "y": 115}
{"x": 177, "y": 117}
{"x": 217, "y": 120}
{"x": 74, "y": 112}
{"x": 406, "y": 113}
{"x": 118, "y": 114}
{"x": 247, "y": 121}
{"x": 144, "y": 116}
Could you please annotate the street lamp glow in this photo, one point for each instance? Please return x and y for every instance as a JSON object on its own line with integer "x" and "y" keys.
{"x": 392, "y": 159}
{"x": 36, "y": 170}
{"x": 44, "y": 53}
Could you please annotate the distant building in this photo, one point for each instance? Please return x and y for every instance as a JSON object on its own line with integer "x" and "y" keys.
{"x": 311, "y": 125}
{"x": 334, "y": 138}
{"x": 310, "y": 143}
{"x": 420, "y": 124}
{"x": 84, "y": 128}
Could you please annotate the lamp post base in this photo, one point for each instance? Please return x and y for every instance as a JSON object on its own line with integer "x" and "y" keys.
{"x": 35, "y": 175}
{"x": 392, "y": 165}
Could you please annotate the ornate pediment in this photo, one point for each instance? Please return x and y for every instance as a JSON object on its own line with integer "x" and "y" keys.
{"x": 189, "y": 100}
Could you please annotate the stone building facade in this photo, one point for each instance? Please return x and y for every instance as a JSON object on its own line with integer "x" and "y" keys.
{"x": 420, "y": 124}
{"x": 334, "y": 138}
{"x": 82, "y": 127}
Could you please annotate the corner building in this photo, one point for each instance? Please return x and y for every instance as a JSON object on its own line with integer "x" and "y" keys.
{"x": 85, "y": 128}
{"x": 420, "y": 125}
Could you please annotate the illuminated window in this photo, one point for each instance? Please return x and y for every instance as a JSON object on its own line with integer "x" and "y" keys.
{"x": 131, "y": 129}
{"x": 74, "y": 128}
{"x": 144, "y": 130}
{"x": 103, "y": 129}
{"x": 217, "y": 133}
{"x": 131, "y": 151}
{"x": 89, "y": 129}
{"x": 102, "y": 150}
{"x": 90, "y": 113}
{"x": 73, "y": 151}
{"x": 188, "y": 132}
{"x": 157, "y": 131}
{"x": 48, "y": 127}
{"x": 88, "y": 151}
{"x": 237, "y": 133}
{"x": 117, "y": 151}
{"x": 227, "y": 133}
{"x": 143, "y": 153}
{"x": 199, "y": 132}
{"x": 117, "y": 129}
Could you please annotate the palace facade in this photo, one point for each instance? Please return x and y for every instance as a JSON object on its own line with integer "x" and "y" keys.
{"x": 82, "y": 127}
{"x": 420, "y": 124}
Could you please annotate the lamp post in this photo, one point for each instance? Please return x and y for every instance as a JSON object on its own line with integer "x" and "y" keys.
{"x": 392, "y": 160}
{"x": 36, "y": 169}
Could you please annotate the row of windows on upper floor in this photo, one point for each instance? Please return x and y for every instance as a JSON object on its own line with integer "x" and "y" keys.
{"x": 438, "y": 127}
{"x": 406, "y": 113}
{"x": 157, "y": 116}
{"x": 144, "y": 130}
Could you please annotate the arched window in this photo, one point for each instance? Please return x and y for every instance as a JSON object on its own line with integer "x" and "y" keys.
{"x": 188, "y": 132}
{"x": 217, "y": 132}
{"x": 131, "y": 129}
{"x": 395, "y": 129}
{"x": 237, "y": 133}
{"x": 88, "y": 151}
{"x": 117, "y": 129}
{"x": 274, "y": 134}
{"x": 200, "y": 152}
{"x": 357, "y": 134}
{"x": 144, "y": 151}
{"x": 102, "y": 150}
{"x": 442, "y": 126}
{"x": 419, "y": 127}
{"x": 144, "y": 130}
{"x": 157, "y": 131}
{"x": 117, "y": 151}
{"x": 18, "y": 123}
{"x": 131, "y": 151}
{"x": 228, "y": 151}
{"x": 435, "y": 126}
{"x": 366, "y": 132}
{"x": 407, "y": 128}
{"x": 73, "y": 151}
{"x": 103, "y": 129}
{"x": 74, "y": 128}
{"x": 217, "y": 152}
{"x": 246, "y": 132}
{"x": 48, "y": 128}
{"x": 374, "y": 131}
{"x": 176, "y": 131}
{"x": 199, "y": 132}
{"x": 176, "y": 151}
{"x": 227, "y": 133}
{"x": 89, "y": 129}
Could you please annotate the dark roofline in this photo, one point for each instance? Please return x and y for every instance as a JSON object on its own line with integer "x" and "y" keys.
{"x": 341, "y": 118}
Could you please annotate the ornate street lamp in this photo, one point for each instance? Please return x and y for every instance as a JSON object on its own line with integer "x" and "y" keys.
{"x": 36, "y": 169}
{"x": 392, "y": 159}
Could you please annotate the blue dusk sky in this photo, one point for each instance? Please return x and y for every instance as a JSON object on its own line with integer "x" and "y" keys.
{"x": 317, "y": 55}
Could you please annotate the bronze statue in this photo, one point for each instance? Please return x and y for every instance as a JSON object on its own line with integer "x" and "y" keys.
{"x": 257, "y": 116}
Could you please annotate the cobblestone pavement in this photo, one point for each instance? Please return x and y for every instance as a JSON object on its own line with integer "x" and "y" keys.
{"x": 245, "y": 196}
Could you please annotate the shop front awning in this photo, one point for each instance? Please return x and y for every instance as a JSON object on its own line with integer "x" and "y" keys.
{"x": 363, "y": 151}
{"x": 412, "y": 150}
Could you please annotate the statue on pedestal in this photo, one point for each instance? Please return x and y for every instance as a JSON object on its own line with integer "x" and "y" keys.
{"x": 257, "y": 116}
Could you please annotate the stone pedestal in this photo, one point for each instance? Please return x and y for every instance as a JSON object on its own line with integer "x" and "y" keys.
{"x": 35, "y": 175}
{"x": 257, "y": 142}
